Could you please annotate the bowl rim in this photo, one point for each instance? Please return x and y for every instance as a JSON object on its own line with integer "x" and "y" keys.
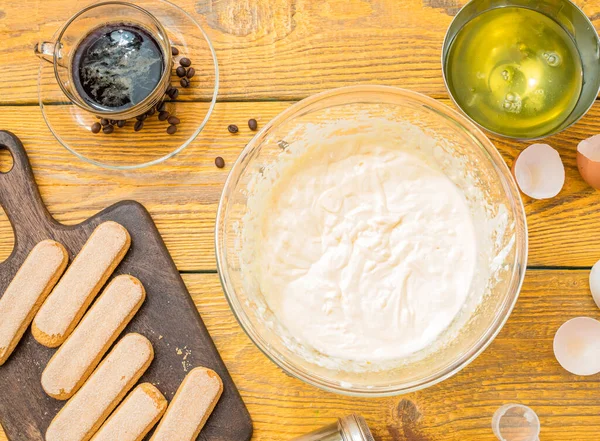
{"x": 503, "y": 312}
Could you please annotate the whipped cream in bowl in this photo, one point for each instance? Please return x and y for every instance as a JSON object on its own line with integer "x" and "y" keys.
{"x": 371, "y": 241}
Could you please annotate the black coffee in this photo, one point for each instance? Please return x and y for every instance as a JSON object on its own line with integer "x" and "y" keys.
{"x": 116, "y": 66}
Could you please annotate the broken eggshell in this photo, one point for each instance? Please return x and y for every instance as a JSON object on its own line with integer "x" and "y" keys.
{"x": 588, "y": 161}
{"x": 539, "y": 171}
{"x": 595, "y": 283}
{"x": 577, "y": 346}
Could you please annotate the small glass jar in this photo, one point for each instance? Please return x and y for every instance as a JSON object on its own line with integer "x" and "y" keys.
{"x": 350, "y": 428}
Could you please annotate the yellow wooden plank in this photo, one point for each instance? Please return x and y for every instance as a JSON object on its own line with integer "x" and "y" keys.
{"x": 519, "y": 366}
{"x": 267, "y": 49}
{"x": 182, "y": 194}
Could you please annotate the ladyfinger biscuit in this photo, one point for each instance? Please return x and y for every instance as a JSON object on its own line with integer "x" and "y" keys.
{"x": 135, "y": 416}
{"x": 191, "y": 406}
{"x": 83, "y": 414}
{"x": 27, "y": 291}
{"x": 69, "y": 300}
{"x": 79, "y": 355}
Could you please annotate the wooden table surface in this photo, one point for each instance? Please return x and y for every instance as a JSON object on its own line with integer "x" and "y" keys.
{"x": 271, "y": 54}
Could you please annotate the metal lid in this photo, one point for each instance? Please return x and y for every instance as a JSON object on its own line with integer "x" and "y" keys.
{"x": 354, "y": 428}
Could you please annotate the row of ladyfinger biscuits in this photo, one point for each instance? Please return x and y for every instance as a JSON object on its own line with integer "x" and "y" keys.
{"x": 86, "y": 415}
{"x": 56, "y": 304}
{"x": 85, "y": 344}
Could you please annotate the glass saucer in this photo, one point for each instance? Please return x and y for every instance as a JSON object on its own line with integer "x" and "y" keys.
{"x": 124, "y": 148}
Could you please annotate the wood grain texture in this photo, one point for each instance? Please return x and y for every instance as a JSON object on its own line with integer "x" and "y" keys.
{"x": 519, "y": 366}
{"x": 182, "y": 194}
{"x": 274, "y": 49}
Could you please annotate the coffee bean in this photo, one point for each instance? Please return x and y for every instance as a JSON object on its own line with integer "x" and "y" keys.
{"x": 104, "y": 122}
{"x": 232, "y": 128}
{"x": 151, "y": 112}
{"x": 174, "y": 51}
{"x": 191, "y": 72}
{"x": 180, "y": 71}
{"x": 184, "y": 82}
{"x": 141, "y": 117}
{"x": 174, "y": 120}
{"x": 219, "y": 162}
{"x": 163, "y": 116}
{"x": 108, "y": 129}
{"x": 169, "y": 89}
{"x": 161, "y": 106}
{"x": 252, "y": 124}
{"x": 113, "y": 121}
{"x": 185, "y": 62}
{"x": 174, "y": 93}
{"x": 96, "y": 127}
{"x": 121, "y": 123}
{"x": 171, "y": 129}
{"x": 139, "y": 125}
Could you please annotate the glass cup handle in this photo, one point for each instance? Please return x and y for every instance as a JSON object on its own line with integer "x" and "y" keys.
{"x": 45, "y": 50}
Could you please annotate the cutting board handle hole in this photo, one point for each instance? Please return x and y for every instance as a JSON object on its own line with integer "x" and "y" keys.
{"x": 6, "y": 159}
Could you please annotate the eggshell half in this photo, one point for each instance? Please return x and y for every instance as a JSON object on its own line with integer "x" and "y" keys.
{"x": 577, "y": 346}
{"x": 595, "y": 283}
{"x": 588, "y": 161}
{"x": 539, "y": 171}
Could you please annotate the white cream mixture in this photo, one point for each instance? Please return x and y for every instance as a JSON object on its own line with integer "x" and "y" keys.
{"x": 364, "y": 250}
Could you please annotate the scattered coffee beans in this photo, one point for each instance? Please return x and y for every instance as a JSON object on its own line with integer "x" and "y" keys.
{"x": 113, "y": 122}
{"x": 180, "y": 72}
{"x": 184, "y": 82}
{"x": 173, "y": 120}
{"x": 121, "y": 123}
{"x": 171, "y": 129}
{"x": 252, "y": 124}
{"x": 174, "y": 51}
{"x": 141, "y": 117}
{"x": 232, "y": 128}
{"x": 191, "y": 72}
{"x": 185, "y": 62}
{"x": 219, "y": 162}
{"x": 108, "y": 129}
{"x": 151, "y": 112}
{"x": 139, "y": 125}
{"x": 161, "y": 107}
{"x": 104, "y": 122}
{"x": 163, "y": 116}
{"x": 96, "y": 127}
{"x": 174, "y": 93}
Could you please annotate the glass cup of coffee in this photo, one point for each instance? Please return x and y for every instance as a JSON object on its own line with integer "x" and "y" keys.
{"x": 112, "y": 59}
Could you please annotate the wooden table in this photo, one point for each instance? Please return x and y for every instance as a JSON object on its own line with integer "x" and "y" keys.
{"x": 273, "y": 53}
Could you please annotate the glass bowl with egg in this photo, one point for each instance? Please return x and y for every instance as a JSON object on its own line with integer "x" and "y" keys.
{"x": 371, "y": 241}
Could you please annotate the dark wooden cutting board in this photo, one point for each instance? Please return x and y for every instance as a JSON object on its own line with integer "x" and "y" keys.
{"x": 168, "y": 317}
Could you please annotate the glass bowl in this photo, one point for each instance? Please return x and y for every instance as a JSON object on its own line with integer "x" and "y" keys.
{"x": 503, "y": 257}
